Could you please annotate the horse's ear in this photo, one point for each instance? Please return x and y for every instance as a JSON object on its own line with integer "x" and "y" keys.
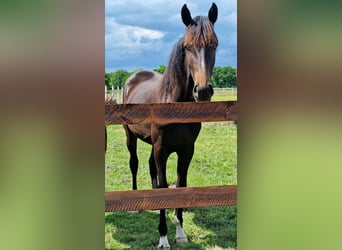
{"x": 212, "y": 14}
{"x": 186, "y": 16}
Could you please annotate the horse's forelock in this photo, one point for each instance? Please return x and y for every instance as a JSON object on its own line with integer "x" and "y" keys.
{"x": 200, "y": 33}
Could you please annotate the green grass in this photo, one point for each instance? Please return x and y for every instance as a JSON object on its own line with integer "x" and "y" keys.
{"x": 214, "y": 163}
{"x": 224, "y": 96}
{"x": 207, "y": 228}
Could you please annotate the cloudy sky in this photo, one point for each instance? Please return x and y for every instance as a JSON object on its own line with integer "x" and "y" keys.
{"x": 140, "y": 34}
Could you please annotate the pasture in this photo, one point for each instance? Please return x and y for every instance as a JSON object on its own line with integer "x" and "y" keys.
{"x": 214, "y": 163}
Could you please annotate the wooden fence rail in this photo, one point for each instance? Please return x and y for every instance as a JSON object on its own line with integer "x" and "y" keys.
{"x": 170, "y": 198}
{"x": 170, "y": 113}
{"x": 181, "y": 112}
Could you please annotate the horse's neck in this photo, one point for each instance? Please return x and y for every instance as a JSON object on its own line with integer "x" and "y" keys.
{"x": 176, "y": 88}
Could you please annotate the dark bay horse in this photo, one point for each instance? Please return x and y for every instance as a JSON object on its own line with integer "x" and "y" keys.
{"x": 186, "y": 79}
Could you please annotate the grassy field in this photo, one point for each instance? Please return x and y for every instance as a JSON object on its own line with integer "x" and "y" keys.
{"x": 214, "y": 163}
{"x": 224, "y": 95}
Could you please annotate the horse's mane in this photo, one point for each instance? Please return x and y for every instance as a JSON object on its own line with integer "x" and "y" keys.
{"x": 199, "y": 33}
{"x": 174, "y": 71}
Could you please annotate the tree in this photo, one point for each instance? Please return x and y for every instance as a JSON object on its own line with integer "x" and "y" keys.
{"x": 107, "y": 80}
{"x": 117, "y": 78}
{"x": 161, "y": 69}
{"x": 223, "y": 77}
{"x": 231, "y": 77}
{"x": 215, "y": 77}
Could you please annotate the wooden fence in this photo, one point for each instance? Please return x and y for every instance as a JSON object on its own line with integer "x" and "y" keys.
{"x": 171, "y": 197}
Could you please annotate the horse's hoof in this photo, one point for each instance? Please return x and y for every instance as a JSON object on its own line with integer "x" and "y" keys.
{"x": 163, "y": 243}
{"x": 182, "y": 240}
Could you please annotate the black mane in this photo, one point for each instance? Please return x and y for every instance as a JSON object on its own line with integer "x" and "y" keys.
{"x": 176, "y": 73}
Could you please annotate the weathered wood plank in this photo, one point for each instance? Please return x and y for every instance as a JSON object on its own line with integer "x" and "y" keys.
{"x": 170, "y": 198}
{"x": 181, "y": 112}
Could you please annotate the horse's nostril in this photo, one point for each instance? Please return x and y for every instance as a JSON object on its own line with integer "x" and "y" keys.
{"x": 203, "y": 93}
{"x": 196, "y": 88}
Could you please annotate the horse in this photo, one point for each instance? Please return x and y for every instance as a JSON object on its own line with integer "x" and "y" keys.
{"x": 186, "y": 79}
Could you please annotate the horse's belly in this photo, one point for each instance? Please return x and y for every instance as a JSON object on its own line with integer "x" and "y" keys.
{"x": 143, "y": 132}
{"x": 176, "y": 136}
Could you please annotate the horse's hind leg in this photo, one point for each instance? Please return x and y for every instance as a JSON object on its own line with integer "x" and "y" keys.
{"x": 184, "y": 159}
{"x": 131, "y": 142}
{"x": 153, "y": 170}
{"x": 153, "y": 173}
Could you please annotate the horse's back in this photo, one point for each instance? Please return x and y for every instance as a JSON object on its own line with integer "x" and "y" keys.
{"x": 142, "y": 87}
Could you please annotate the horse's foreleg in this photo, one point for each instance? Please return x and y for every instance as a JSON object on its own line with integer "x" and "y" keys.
{"x": 153, "y": 173}
{"x": 163, "y": 241}
{"x": 160, "y": 157}
{"x": 184, "y": 159}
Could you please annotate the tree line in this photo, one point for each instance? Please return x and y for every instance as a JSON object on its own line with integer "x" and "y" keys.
{"x": 222, "y": 77}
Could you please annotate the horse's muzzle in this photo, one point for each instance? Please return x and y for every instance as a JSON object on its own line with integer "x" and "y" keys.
{"x": 203, "y": 93}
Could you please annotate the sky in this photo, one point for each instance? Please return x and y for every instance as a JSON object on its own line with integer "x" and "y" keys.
{"x": 141, "y": 35}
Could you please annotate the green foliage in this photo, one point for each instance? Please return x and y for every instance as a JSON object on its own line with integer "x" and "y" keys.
{"x": 117, "y": 78}
{"x": 161, "y": 69}
{"x": 107, "y": 80}
{"x": 222, "y": 77}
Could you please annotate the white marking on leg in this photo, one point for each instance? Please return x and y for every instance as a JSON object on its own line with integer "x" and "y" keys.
{"x": 163, "y": 243}
{"x": 181, "y": 237}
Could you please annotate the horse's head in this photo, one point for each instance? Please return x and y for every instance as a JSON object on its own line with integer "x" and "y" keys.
{"x": 199, "y": 43}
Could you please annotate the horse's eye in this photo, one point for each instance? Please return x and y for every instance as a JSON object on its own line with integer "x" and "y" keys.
{"x": 186, "y": 46}
{"x": 212, "y": 46}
